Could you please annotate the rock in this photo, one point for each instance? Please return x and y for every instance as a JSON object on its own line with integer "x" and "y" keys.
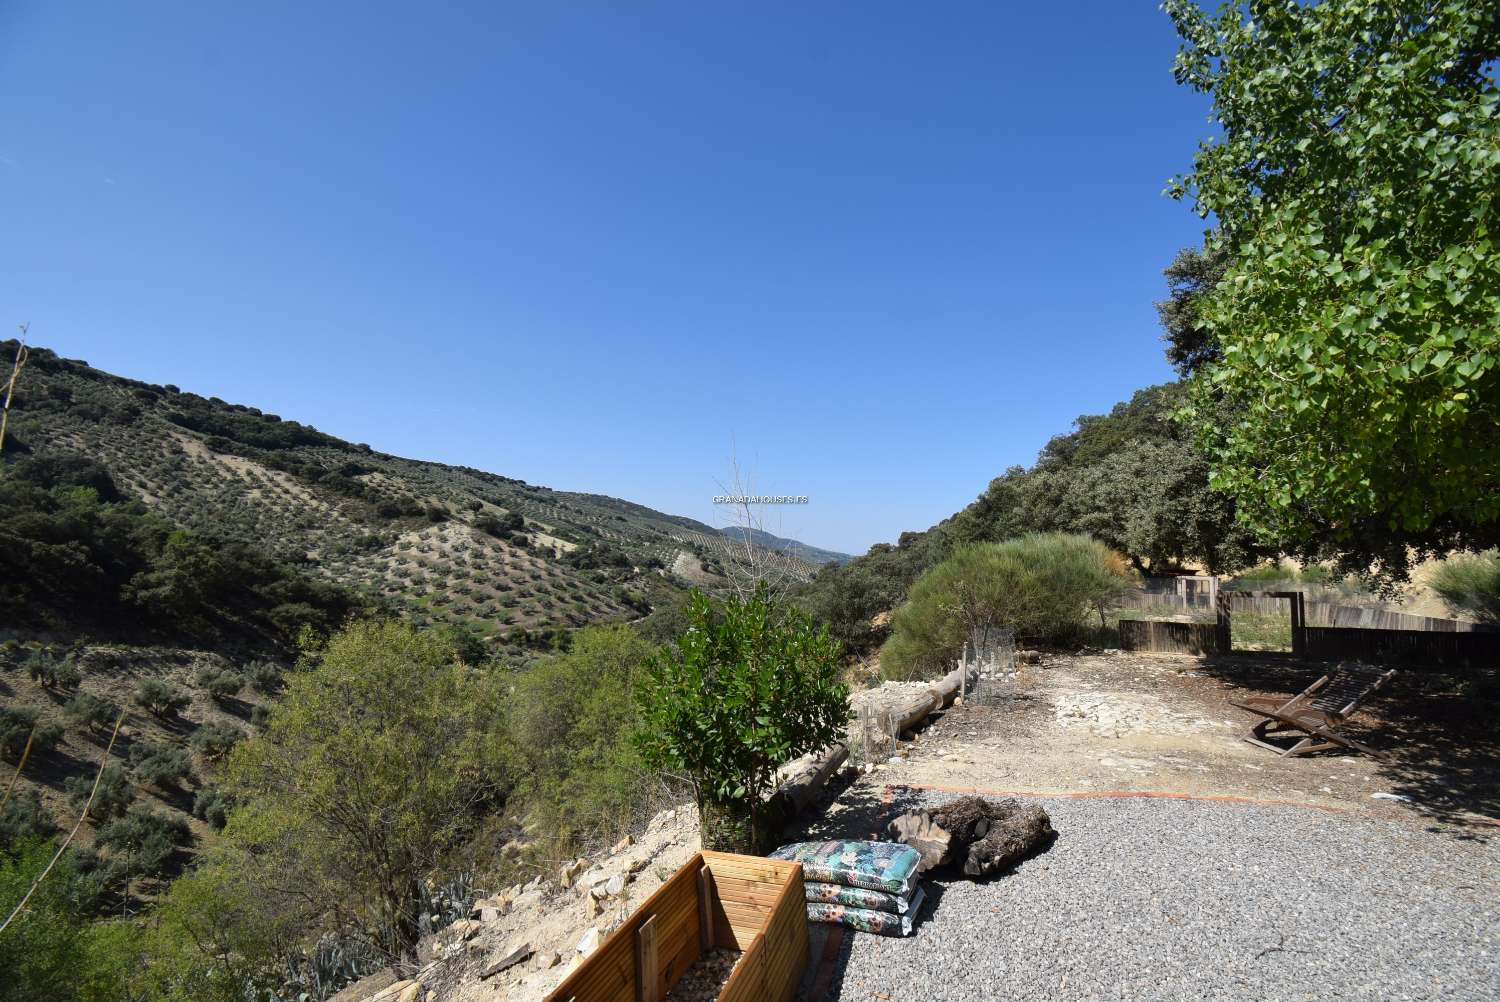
{"x": 1390, "y": 796}
{"x": 623, "y": 844}
{"x": 506, "y": 961}
{"x": 637, "y": 865}
{"x": 510, "y": 850}
{"x": 588, "y": 942}
{"x": 592, "y": 907}
{"x": 462, "y": 929}
{"x": 490, "y": 908}
{"x": 568, "y": 872}
{"x": 410, "y": 992}
{"x": 527, "y": 900}
{"x": 1029, "y": 657}
{"x": 615, "y": 886}
{"x": 545, "y": 960}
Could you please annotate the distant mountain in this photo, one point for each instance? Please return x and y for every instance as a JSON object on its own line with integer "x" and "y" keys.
{"x": 812, "y": 554}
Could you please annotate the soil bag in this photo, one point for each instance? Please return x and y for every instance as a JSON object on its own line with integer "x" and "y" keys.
{"x": 867, "y": 919}
{"x": 856, "y": 897}
{"x": 877, "y": 866}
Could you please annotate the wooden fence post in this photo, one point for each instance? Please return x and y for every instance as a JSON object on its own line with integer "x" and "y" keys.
{"x": 1226, "y": 638}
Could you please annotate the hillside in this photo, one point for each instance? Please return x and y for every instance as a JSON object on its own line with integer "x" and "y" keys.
{"x": 442, "y": 544}
{"x": 766, "y": 540}
{"x": 161, "y": 552}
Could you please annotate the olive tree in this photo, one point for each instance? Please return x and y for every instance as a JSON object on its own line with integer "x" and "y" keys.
{"x": 748, "y": 686}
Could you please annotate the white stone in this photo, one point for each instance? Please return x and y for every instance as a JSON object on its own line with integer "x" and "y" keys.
{"x": 588, "y": 942}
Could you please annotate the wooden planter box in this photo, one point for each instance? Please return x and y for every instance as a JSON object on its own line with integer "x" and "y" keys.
{"x": 746, "y": 903}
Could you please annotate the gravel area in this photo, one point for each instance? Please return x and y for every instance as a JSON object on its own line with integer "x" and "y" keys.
{"x": 1164, "y": 899}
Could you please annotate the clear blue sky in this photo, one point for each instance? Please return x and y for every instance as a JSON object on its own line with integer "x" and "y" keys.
{"x": 887, "y": 249}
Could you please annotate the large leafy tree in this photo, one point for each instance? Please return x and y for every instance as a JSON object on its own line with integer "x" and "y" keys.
{"x": 1357, "y": 321}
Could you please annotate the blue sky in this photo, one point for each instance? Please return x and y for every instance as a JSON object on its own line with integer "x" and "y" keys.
{"x": 881, "y": 251}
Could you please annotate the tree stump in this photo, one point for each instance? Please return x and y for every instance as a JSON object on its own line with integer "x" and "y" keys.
{"x": 917, "y": 830}
{"x": 984, "y": 837}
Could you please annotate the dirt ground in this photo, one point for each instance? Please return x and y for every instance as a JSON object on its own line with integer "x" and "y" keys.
{"x": 1126, "y": 722}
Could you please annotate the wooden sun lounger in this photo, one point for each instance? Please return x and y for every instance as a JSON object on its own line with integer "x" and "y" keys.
{"x": 1317, "y": 712}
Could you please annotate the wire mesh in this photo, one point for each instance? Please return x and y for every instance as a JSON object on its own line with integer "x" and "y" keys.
{"x": 994, "y": 657}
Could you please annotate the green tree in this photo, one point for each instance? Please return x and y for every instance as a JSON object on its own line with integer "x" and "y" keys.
{"x": 747, "y": 688}
{"x": 1043, "y": 586}
{"x": 161, "y": 699}
{"x": 1353, "y": 189}
{"x": 367, "y": 774}
{"x": 113, "y": 796}
{"x": 1191, "y": 276}
{"x": 569, "y": 724}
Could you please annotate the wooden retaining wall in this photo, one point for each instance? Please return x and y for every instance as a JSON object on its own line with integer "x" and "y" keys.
{"x": 761, "y": 909}
{"x": 1412, "y": 648}
{"x": 716, "y": 899}
{"x": 1169, "y": 638}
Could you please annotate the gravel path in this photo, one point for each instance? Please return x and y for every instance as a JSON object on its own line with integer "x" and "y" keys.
{"x": 1161, "y": 899}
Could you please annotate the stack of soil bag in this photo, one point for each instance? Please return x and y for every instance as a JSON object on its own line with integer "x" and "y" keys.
{"x": 869, "y": 886}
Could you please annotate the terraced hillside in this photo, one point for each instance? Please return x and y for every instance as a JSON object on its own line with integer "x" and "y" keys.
{"x": 443, "y": 544}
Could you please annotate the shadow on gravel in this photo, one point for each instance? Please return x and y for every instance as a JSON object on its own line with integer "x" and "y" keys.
{"x": 1435, "y": 731}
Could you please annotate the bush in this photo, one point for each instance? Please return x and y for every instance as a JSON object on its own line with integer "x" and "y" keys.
{"x": 1470, "y": 585}
{"x": 142, "y": 842}
{"x": 214, "y": 741}
{"x": 212, "y": 805}
{"x": 219, "y": 684}
{"x": 748, "y": 687}
{"x": 20, "y": 723}
{"x": 163, "y": 766}
{"x": 24, "y": 819}
{"x": 160, "y": 698}
{"x": 91, "y": 711}
{"x": 569, "y": 724}
{"x": 1043, "y": 586}
{"x": 115, "y": 793}
{"x": 373, "y": 767}
{"x": 264, "y": 676}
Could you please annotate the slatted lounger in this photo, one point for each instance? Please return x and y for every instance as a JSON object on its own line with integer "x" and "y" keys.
{"x": 1317, "y": 712}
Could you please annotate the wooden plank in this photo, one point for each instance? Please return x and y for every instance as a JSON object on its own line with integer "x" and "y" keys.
{"x": 647, "y": 975}
{"x": 705, "y": 911}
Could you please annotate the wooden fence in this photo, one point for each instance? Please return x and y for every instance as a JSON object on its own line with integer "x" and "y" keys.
{"x": 1169, "y": 637}
{"x": 1412, "y": 648}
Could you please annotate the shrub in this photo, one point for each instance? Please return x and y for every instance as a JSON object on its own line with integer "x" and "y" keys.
{"x": 1470, "y": 585}
{"x": 163, "y": 766}
{"x": 160, "y": 698}
{"x": 115, "y": 793}
{"x": 1043, "y": 586}
{"x": 748, "y": 687}
{"x": 370, "y": 771}
{"x": 142, "y": 842}
{"x": 214, "y": 741}
{"x": 264, "y": 676}
{"x": 212, "y": 805}
{"x": 24, "y": 818}
{"x": 260, "y": 715}
{"x": 93, "y": 712}
{"x": 569, "y": 724}
{"x": 220, "y": 684}
{"x": 20, "y": 723}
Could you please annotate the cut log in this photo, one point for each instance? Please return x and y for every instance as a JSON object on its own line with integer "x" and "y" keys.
{"x": 993, "y": 836}
{"x": 918, "y": 830}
